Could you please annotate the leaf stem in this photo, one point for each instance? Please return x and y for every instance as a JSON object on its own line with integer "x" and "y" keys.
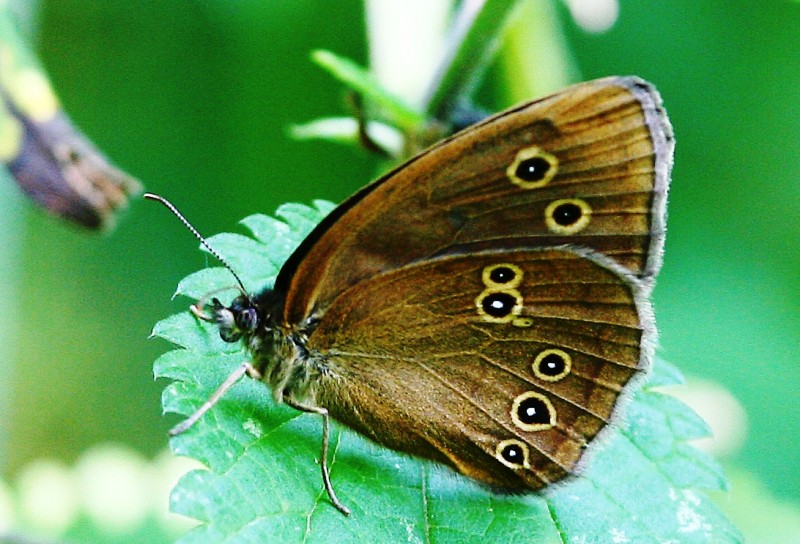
{"x": 474, "y": 39}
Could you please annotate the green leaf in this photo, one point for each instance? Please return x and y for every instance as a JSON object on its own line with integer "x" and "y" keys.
{"x": 360, "y": 80}
{"x": 643, "y": 483}
{"x": 344, "y": 130}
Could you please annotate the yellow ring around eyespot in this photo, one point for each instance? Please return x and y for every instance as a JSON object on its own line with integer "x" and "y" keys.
{"x": 531, "y": 153}
{"x": 530, "y": 427}
{"x": 513, "y": 442}
{"x": 513, "y": 314}
{"x": 564, "y": 357}
{"x": 515, "y": 281}
{"x": 577, "y": 226}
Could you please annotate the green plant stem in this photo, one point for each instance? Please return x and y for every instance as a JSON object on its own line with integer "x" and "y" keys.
{"x": 474, "y": 39}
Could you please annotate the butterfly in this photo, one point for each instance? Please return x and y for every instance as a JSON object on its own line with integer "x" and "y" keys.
{"x": 484, "y": 305}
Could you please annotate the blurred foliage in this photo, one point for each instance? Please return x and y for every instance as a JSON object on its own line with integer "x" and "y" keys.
{"x": 194, "y": 98}
{"x": 111, "y": 495}
{"x": 51, "y": 161}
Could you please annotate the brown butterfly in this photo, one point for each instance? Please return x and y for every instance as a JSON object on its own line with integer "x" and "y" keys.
{"x": 485, "y": 304}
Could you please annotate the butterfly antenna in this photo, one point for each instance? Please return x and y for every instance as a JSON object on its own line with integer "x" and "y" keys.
{"x": 193, "y": 230}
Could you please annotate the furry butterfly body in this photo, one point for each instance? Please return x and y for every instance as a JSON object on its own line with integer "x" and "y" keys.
{"x": 484, "y": 305}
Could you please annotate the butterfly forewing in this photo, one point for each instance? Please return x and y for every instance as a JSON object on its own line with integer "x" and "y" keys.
{"x": 588, "y": 166}
{"x": 507, "y": 362}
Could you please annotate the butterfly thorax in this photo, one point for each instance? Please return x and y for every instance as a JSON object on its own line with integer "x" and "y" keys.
{"x": 279, "y": 351}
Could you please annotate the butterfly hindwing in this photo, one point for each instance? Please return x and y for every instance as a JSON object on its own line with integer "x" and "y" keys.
{"x": 502, "y": 356}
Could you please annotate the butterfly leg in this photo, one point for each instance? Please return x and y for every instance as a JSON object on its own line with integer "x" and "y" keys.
{"x": 197, "y": 308}
{"x": 326, "y": 478}
{"x": 199, "y": 313}
{"x": 230, "y": 381}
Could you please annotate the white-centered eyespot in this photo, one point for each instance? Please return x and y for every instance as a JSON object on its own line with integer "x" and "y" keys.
{"x": 552, "y": 365}
{"x": 533, "y": 411}
{"x": 502, "y": 276}
{"x": 513, "y": 453}
{"x": 499, "y": 306}
{"x": 567, "y": 215}
{"x": 532, "y": 168}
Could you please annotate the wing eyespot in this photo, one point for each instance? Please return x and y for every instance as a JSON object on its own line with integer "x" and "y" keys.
{"x": 500, "y": 302}
{"x": 567, "y": 215}
{"x": 499, "y": 306}
{"x": 522, "y": 322}
{"x": 532, "y": 168}
{"x": 533, "y": 411}
{"x": 513, "y": 453}
{"x": 502, "y": 276}
{"x": 552, "y": 365}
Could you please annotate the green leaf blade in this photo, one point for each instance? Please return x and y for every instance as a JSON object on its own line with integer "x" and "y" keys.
{"x": 360, "y": 80}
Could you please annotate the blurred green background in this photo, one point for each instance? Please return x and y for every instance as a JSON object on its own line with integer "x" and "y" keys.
{"x": 195, "y": 98}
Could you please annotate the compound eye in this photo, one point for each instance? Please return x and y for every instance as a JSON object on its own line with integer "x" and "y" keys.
{"x": 247, "y": 319}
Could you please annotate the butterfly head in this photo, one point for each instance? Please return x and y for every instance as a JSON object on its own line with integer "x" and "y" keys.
{"x": 239, "y": 319}
{"x": 244, "y": 316}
